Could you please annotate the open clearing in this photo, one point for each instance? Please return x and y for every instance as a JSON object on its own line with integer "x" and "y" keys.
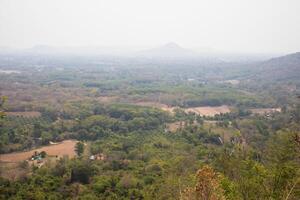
{"x": 204, "y": 110}
{"x": 64, "y": 148}
{"x": 173, "y": 127}
{"x": 209, "y": 110}
{"x": 9, "y": 71}
{"x": 262, "y": 111}
{"x": 108, "y": 99}
{"x": 24, "y": 114}
{"x": 232, "y": 82}
{"x": 156, "y": 105}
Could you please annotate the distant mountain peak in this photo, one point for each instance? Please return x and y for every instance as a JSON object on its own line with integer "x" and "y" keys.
{"x": 172, "y": 45}
{"x": 169, "y": 50}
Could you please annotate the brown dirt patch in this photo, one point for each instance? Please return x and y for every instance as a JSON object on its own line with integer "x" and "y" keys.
{"x": 156, "y": 105}
{"x": 208, "y": 110}
{"x": 232, "y": 82}
{"x": 66, "y": 147}
{"x": 107, "y": 99}
{"x": 24, "y": 114}
{"x": 205, "y": 110}
{"x": 262, "y": 111}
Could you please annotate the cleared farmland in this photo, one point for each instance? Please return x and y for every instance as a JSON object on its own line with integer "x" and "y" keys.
{"x": 209, "y": 110}
{"x": 64, "y": 148}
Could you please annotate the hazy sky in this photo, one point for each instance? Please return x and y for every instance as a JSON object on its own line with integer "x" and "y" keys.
{"x": 226, "y": 25}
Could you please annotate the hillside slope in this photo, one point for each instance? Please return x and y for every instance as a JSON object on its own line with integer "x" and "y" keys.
{"x": 285, "y": 68}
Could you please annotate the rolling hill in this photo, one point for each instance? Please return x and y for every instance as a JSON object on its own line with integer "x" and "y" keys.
{"x": 284, "y": 68}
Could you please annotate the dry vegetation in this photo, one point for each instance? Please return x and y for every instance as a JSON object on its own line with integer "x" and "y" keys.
{"x": 64, "y": 148}
{"x": 203, "y": 111}
{"x": 12, "y": 170}
{"x": 173, "y": 127}
{"x": 156, "y": 105}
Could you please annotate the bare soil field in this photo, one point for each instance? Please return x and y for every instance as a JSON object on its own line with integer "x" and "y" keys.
{"x": 232, "y": 82}
{"x": 262, "y": 111}
{"x": 156, "y": 105}
{"x": 107, "y": 99}
{"x": 208, "y": 110}
{"x": 9, "y": 71}
{"x": 64, "y": 148}
{"x": 205, "y": 110}
{"x": 24, "y": 114}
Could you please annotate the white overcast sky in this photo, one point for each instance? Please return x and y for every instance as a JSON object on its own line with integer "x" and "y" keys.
{"x": 224, "y": 25}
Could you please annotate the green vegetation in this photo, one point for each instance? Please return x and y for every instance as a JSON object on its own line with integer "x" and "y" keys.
{"x": 79, "y": 148}
{"x": 125, "y": 148}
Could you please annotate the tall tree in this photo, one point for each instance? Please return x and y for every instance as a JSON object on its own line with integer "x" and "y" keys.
{"x": 208, "y": 186}
{"x": 79, "y": 148}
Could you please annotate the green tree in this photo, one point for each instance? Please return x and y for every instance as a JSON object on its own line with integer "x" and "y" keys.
{"x": 79, "y": 148}
{"x": 282, "y": 158}
{"x": 2, "y": 113}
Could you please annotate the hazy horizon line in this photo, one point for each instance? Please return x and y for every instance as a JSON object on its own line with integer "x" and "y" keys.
{"x": 137, "y": 48}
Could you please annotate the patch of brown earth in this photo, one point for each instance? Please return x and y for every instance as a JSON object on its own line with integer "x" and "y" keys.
{"x": 24, "y": 114}
{"x": 232, "y": 82}
{"x": 209, "y": 110}
{"x": 107, "y": 99}
{"x": 262, "y": 111}
{"x": 67, "y": 147}
{"x": 156, "y": 105}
